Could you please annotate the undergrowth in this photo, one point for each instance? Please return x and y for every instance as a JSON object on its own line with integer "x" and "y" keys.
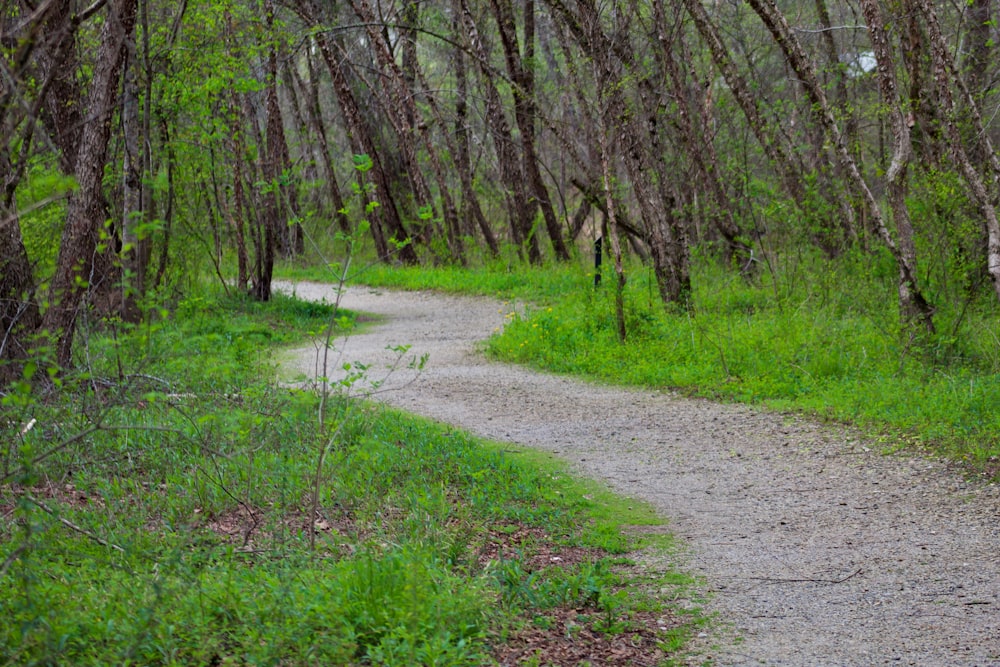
{"x": 157, "y": 509}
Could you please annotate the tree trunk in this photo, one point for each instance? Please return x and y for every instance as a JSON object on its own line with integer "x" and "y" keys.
{"x": 896, "y": 176}
{"x": 402, "y": 111}
{"x": 75, "y": 267}
{"x": 463, "y": 161}
{"x": 698, "y": 142}
{"x": 912, "y": 300}
{"x": 665, "y": 234}
{"x": 314, "y": 116}
{"x": 521, "y": 71}
{"x": 19, "y": 315}
{"x": 63, "y": 116}
{"x": 386, "y": 217}
{"x": 133, "y": 283}
{"x": 981, "y": 46}
{"x": 986, "y": 193}
{"x": 511, "y": 178}
{"x": 237, "y": 219}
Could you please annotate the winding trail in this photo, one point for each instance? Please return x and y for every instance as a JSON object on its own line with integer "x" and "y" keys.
{"x": 815, "y": 548}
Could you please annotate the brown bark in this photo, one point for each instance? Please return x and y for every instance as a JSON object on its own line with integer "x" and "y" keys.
{"x": 237, "y": 217}
{"x": 273, "y": 233}
{"x": 986, "y": 193}
{"x": 511, "y": 177}
{"x": 981, "y": 46}
{"x": 698, "y": 143}
{"x": 665, "y": 233}
{"x": 896, "y": 176}
{"x": 321, "y": 146}
{"x": 401, "y": 109}
{"x": 770, "y": 139}
{"x": 926, "y": 126}
{"x": 19, "y": 315}
{"x": 912, "y": 300}
{"x": 80, "y": 246}
{"x": 63, "y": 116}
{"x": 521, "y": 71}
{"x": 463, "y": 162}
{"x": 133, "y": 284}
{"x": 386, "y": 217}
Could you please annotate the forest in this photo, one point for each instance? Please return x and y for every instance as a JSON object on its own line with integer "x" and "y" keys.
{"x": 796, "y": 204}
{"x": 144, "y": 142}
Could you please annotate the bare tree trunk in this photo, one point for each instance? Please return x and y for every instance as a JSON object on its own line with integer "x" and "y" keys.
{"x": 521, "y": 71}
{"x": 665, "y": 234}
{"x": 769, "y": 138}
{"x": 168, "y": 215}
{"x": 314, "y": 115}
{"x": 521, "y": 223}
{"x": 63, "y": 116}
{"x": 926, "y": 126}
{"x": 386, "y": 217}
{"x": 985, "y": 193}
{"x": 981, "y": 45}
{"x": 912, "y": 300}
{"x": 902, "y": 151}
{"x": 463, "y": 161}
{"x": 700, "y": 148}
{"x": 402, "y": 111}
{"x": 19, "y": 315}
{"x": 86, "y": 215}
{"x": 237, "y": 219}
{"x": 274, "y": 236}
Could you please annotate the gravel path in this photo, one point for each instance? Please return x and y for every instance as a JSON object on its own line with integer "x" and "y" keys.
{"x": 816, "y": 549}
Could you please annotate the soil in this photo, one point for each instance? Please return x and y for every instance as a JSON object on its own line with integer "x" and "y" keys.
{"x": 814, "y": 545}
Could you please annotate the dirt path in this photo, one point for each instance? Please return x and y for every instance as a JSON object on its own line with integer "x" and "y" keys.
{"x": 817, "y": 550}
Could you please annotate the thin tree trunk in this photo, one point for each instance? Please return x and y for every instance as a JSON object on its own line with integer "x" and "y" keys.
{"x": 665, "y": 234}
{"x": 403, "y": 114}
{"x": 314, "y": 116}
{"x": 19, "y": 315}
{"x": 521, "y": 223}
{"x": 896, "y": 176}
{"x": 521, "y": 71}
{"x": 133, "y": 283}
{"x": 237, "y": 219}
{"x": 168, "y": 215}
{"x": 463, "y": 161}
{"x": 912, "y": 300}
{"x": 981, "y": 46}
{"x": 63, "y": 116}
{"x": 606, "y": 114}
{"x": 986, "y": 193}
{"x": 386, "y": 217}
{"x": 700, "y": 147}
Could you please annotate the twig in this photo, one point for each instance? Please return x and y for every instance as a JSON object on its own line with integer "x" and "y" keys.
{"x": 73, "y": 526}
{"x": 772, "y": 580}
{"x": 11, "y": 558}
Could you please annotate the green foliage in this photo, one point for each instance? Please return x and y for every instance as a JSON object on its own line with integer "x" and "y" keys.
{"x": 501, "y": 279}
{"x": 158, "y": 511}
{"x": 41, "y": 199}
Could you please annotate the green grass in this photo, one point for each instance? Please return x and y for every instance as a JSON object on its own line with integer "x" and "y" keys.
{"x": 814, "y": 336}
{"x": 179, "y": 528}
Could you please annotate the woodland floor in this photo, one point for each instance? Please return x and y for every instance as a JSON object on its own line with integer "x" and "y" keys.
{"x": 814, "y": 546}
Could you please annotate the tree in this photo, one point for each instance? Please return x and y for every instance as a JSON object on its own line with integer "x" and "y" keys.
{"x": 79, "y": 271}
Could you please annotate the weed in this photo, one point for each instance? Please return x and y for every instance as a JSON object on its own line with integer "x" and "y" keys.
{"x": 166, "y": 507}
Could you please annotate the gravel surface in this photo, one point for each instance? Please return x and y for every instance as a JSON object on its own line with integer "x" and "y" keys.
{"x": 815, "y": 548}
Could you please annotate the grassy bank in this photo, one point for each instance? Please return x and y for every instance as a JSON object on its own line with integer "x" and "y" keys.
{"x": 174, "y": 506}
{"x": 820, "y": 337}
